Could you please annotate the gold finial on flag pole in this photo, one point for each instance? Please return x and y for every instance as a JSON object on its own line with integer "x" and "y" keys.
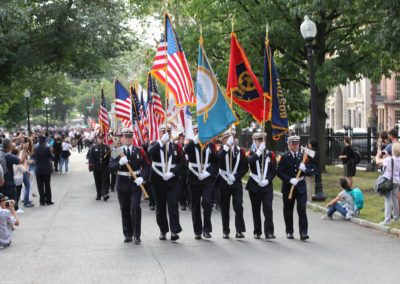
{"x": 233, "y": 22}
{"x": 266, "y": 31}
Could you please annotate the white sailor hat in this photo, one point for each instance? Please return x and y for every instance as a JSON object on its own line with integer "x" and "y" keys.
{"x": 226, "y": 133}
{"x": 162, "y": 127}
{"x": 195, "y": 127}
{"x": 294, "y": 139}
{"x": 259, "y": 135}
{"x": 126, "y": 130}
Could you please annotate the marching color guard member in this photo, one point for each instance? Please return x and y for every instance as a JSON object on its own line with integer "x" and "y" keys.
{"x": 202, "y": 167}
{"x": 289, "y": 164}
{"x": 260, "y": 186}
{"x": 99, "y": 165}
{"x": 165, "y": 182}
{"x": 128, "y": 190}
{"x": 230, "y": 183}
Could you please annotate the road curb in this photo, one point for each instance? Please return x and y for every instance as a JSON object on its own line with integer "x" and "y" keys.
{"x": 361, "y": 222}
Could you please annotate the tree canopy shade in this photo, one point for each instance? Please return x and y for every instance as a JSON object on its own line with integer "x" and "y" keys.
{"x": 44, "y": 39}
{"x": 345, "y": 47}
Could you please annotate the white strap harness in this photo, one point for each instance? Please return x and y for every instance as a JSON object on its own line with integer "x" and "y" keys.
{"x": 161, "y": 164}
{"x": 193, "y": 166}
{"x": 224, "y": 174}
{"x": 128, "y": 174}
{"x": 257, "y": 177}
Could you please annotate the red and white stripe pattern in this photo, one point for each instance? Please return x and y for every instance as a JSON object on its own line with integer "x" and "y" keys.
{"x": 160, "y": 61}
{"x": 103, "y": 116}
{"x": 155, "y": 116}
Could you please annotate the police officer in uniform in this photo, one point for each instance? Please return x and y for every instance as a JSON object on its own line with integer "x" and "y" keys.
{"x": 200, "y": 181}
{"x": 165, "y": 182}
{"x": 98, "y": 163}
{"x": 128, "y": 190}
{"x": 230, "y": 183}
{"x": 260, "y": 188}
{"x": 289, "y": 164}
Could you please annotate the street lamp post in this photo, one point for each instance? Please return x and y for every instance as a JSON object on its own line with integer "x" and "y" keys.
{"x": 46, "y": 102}
{"x": 27, "y": 95}
{"x": 308, "y": 31}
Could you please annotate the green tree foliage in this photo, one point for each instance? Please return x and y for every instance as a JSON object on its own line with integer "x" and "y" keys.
{"x": 345, "y": 47}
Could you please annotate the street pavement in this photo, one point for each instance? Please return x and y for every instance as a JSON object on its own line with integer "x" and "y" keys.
{"x": 80, "y": 240}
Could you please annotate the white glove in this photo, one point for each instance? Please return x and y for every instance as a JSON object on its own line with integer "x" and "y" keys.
{"x": 230, "y": 182}
{"x": 168, "y": 176}
{"x": 165, "y": 138}
{"x": 262, "y": 147}
{"x": 294, "y": 181}
{"x": 196, "y": 139}
{"x": 231, "y": 177}
{"x": 226, "y": 148}
{"x": 263, "y": 183}
{"x": 230, "y": 141}
{"x": 302, "y": 167}
{"x": 123, "y": 160}
{"x": 138, "y": 181}
{"x": 204, "y": 175}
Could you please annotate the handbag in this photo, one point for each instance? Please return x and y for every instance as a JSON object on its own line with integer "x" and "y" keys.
{"x": 387, "y": 185}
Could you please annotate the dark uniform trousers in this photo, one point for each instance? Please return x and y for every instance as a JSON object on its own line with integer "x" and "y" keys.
{"x": 265, "y": 199}
{"x": 129, "y": 202}
{"x": 167, "y": 193}
{"x": 113, "y": 180}
{"x": 236, "y": 192}
{"x": 102, "y": 181}
{"x": 287, "y": 169}
{"x": 202, "y": 195}
{"x": 44, "y": 188}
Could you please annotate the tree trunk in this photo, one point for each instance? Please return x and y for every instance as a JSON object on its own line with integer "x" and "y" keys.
{"x": 321, "y": 129}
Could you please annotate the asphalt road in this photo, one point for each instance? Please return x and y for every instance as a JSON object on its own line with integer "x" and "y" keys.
{"x": 79, "y": 240}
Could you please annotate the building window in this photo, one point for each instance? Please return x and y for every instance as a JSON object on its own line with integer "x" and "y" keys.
{"x": 378, "y": 89}
{"x": 397, "y": 88}
{"x": 396, "y": 116}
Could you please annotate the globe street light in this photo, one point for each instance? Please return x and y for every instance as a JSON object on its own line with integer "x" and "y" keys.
{"x": 308, "y": 30}
{"x": 27, "y": 95}
{"x": 46, "y": 102}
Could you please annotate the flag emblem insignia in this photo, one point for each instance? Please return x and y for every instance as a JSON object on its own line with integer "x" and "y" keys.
{"x": 207, "y": 91}
{"x": 246, "y": 88}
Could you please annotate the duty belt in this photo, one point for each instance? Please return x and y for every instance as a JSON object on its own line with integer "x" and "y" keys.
{"x": 128, "y": 174}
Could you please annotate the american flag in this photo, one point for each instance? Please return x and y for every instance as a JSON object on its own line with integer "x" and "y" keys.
{"x": 103, "y": 117}
{"x": 170, "y": 62}
{"x": 123, "y": 104}
{"x": 136, "y": 118}
{"x": 155, "y": 112}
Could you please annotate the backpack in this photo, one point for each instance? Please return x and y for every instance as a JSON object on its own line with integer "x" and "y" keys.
{"x": 3, "y": 162}
{"x": 358, "y": 198}
{"x": 356, "y": 157}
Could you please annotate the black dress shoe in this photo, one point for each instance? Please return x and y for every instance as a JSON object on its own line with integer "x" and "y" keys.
{"x": 207, "y": 235}
{"x": 270, "y": 236}
{"x": 50, "y": 203}
{"x": 197, "y": 236}
{"x": 225, "y": 236}
{"x": 98, "y": 198}
{"x": 106, "y": 197}
{"x": 42, "y": 204}
{"x": 257, "y": 236}
{"x": 239, "y": 235}
{"x": 137, "y": 240}
{"x": 128, "y": 239}
{"x": 162, "y": 237}
{"x": 289, "y": 236}
{"x": 304, "y": 237}
{"x": 174, "y": 237}
{"x": 152, "y": 207}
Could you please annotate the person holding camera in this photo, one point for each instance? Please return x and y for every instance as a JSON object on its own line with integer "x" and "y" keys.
{"x": 8, "y": 218}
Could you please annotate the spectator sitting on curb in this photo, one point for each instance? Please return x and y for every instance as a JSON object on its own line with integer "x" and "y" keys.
{"x": 343, "y": 203}
{"x": 8, "y": 218}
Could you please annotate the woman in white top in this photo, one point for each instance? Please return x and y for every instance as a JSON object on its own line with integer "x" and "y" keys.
{"x": 65, "y": 155}
{"x": 391, "y": 199}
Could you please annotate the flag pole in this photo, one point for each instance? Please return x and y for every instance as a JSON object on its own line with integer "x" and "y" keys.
{"x": 166, "y": 93}
{"x": 230, "y": 127}
{"x": 265, "y": 101}
{"x": 201, "y": 146}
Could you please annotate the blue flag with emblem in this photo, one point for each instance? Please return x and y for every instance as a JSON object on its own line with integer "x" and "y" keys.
{"x": 214, "y": 114}
{"x": 272, "y": 87}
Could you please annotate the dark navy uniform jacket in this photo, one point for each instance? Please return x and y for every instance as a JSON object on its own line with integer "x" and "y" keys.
{"x": 252, "y": 158}
{"x": 178, "y": 161}
{"x": 96, "y": 158}
{"x": 137, "y": 160}
{"x": 190, "y": 149}
{"x": 242, "y": 169}
{"x": 288, "y": 167}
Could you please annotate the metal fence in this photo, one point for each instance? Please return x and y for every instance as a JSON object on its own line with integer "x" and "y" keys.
{"x": 365, "y": 144}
